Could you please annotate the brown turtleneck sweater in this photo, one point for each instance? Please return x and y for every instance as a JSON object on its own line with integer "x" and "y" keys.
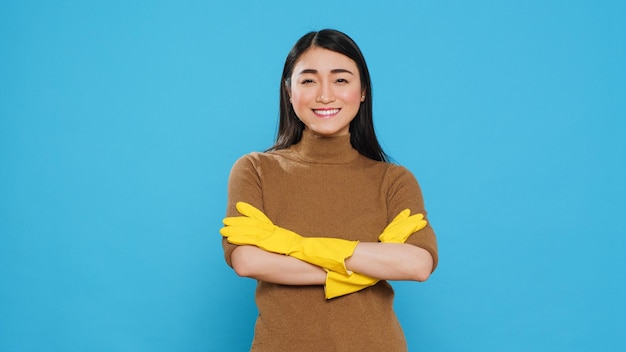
{"x": 322, "y": 187}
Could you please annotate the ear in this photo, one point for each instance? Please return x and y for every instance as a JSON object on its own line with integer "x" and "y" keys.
{"x": 363, "y": 95}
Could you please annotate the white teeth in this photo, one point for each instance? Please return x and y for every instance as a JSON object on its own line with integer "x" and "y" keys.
{"x": 326, "y": 112}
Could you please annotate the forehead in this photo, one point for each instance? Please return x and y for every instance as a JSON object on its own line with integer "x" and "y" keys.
{"x": 323, "y": 60}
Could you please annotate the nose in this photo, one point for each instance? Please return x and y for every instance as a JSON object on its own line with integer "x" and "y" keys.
{"x": 325, "y": 94}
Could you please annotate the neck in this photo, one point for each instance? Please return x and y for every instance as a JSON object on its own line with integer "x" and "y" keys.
{"x": 326, "y": 150}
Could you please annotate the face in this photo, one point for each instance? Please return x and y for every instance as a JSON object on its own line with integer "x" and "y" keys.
{"x": 326, "y": 91}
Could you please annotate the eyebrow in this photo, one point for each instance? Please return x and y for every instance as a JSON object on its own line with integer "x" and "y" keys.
{"x": 334, "y": 71}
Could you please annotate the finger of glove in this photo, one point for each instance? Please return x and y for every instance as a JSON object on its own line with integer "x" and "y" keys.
{"x": 251, "y": 231}
{"x": 249, "y": 210}
{"x": 244, "y": 221}
{"x": 403, "y": 228}
{"x": 401, "y": 233}
{"x": 396, "y": 237}
{"x": 269, "y": 237}
{"x": 416, "y": 222}
{"x": 289, "y": 238}
{"x": 270, "y": 242}
{"x": 401, "y": 216}
{"x": 254, "y": 226}
{"x": 420, "y": 225}
{"x": 244, "y": 239}
{"x": 238, "y": 235}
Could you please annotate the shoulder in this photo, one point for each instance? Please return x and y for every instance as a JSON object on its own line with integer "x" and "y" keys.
{"x": 254, "y": 159}
{"x": 397, "y": 173}
{"x": 261, "y": 163}
{"x": 388, "y": 171}
{"x": 399, "y": 181}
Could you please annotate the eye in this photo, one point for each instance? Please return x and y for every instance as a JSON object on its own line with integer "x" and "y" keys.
{"x": 307, "y": 81}
{"x": 341, "y": 81}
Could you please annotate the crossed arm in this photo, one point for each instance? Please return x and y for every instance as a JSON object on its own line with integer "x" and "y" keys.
{"x": 385, "y": 261}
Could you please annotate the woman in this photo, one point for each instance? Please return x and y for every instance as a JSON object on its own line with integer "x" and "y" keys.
{"x": 320, "y": 219}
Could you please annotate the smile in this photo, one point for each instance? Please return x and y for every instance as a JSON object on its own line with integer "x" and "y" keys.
{"x": 325, "y": 112}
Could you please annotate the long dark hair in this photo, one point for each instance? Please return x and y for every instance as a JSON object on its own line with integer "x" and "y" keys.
{"x": 362, "y": 135}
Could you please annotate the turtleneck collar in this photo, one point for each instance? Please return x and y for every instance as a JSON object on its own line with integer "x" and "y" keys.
{"x": 324, "y": 150}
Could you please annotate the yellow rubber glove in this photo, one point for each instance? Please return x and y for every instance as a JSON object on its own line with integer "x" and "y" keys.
{"x": 255, "y": 228}
{"x": 402, "y": 227}
{"x": 340, "y": 285}
{"x": 398, "y": 231}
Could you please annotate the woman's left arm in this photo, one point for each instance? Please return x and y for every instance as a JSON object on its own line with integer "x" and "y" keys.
{"x": 414, "y": 260}
{"x": 391, "y": 261}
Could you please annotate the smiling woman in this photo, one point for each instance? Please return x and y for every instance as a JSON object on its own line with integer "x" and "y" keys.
{"x": 326, "y": 91}
{"x": 321, "y": 220}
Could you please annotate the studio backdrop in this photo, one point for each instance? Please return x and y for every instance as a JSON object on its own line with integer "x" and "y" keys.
{"x": 120, "y": 121}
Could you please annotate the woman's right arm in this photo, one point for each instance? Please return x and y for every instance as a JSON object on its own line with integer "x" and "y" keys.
{"x": 256, "y": 263}
{"x": 250, "y": 261}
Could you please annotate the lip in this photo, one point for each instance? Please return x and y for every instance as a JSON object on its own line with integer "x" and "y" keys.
{"x": 326, "y": 113}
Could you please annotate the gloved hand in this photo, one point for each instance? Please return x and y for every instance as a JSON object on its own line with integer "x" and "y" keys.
{"x": 339, "y": 284}
{"x": 398, "y": 231}
{"x": 255, "y": 228}
{"x": 402, "y": 227}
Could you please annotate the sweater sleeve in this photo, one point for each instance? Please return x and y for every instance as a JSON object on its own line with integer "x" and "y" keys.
{"x": 403, "y": 191}
{"x": 244, "y": 185}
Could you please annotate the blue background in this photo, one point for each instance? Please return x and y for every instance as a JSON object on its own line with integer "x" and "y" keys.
{"x": 120, "y": 121}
